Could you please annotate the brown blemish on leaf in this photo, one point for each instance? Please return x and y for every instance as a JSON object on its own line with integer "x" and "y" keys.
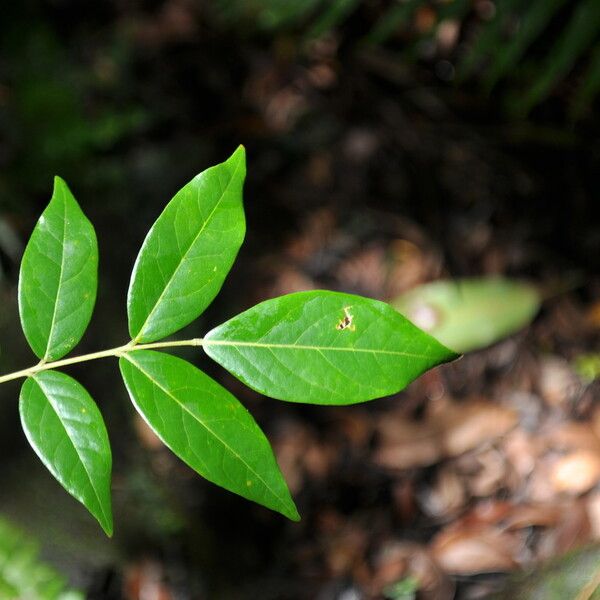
{"x": 346, "y": 321}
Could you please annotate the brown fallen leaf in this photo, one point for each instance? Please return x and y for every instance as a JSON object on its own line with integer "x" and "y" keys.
{"x": 405, "y": 444}
{"x": 145, "y": 580}
{"x": 592, "y": 315}
{"x": 291, "y": 445}
{"x": 345, "y": 549}
{"x": 410, "y": 264}
{"x": 593, "y": 513}
{"x": 557, "y": 382}
{"x": 355, "y": 427}
{"x": 403, "y": 494}
{"x": 595, "y": 421}
{"x": 319, "y": 459}
{"x": 455, "y": 428}
{"x": 539, "y": 487}
{"x": 364, "y": 271}
{"x": 318, "y": 232}
{"x": 534, "y": 515}
{"x": 397, "y": 560}
{"x": 522, "y": 451}
{"x": 487, "y": 512}
{"x": 470, "y": 424}
{"x": 577, "y": 472}
{"x": 492, "y": 474}
{"x": 446, "y": 497}
{"x": 573, "y": 530}
{"x": 563, "y": 525}
{"x": 571, "y": 435}
{"x": 476, "y": 549}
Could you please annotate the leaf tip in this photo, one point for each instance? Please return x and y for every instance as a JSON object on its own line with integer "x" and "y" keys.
{"x": 104, "y": 516}
{"x": 295, "y": 516}
{"x": 291, "y": 512}
{"x": 452, "y": 354}
{"x": 239, "y": 154}
{"x": 108, "y": 528}
{"x": 59, "y": 182}
{"x": 447, "y": 354}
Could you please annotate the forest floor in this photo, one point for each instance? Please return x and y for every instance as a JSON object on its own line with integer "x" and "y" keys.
{"x": 369, "y": 179}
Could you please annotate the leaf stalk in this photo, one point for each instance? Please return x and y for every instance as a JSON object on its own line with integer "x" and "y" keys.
{"x": 118, "y": 351}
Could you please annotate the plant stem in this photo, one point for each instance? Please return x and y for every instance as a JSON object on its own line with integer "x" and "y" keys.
{"x": 118, "y": 351}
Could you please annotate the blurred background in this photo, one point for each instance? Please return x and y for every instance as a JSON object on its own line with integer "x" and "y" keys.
{"x": 390, "y": 144}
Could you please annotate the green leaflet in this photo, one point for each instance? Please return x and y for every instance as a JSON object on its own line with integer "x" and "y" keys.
{"x": 66, "y": 430}
{"x": 205, "y": 426}
{"x": 188, "y": 252}
{"x": 469, "y": 314}
{"x": 324, "y": 348}
{"x": 59, "y": 277}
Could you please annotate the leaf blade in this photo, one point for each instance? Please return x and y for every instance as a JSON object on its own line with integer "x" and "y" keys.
{"x": 58, "y": 278}
{"x": 65, "y": 429}
{"x": 202, "y": 225}
{"x": 324, "y": 348}
{"x": 205, "y": 426}
{"x": 470, "y": 313}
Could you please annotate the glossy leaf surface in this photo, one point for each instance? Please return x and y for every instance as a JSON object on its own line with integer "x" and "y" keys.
{"x": 324, "y": 348}
{"x": 66, "y": 430}
{"x": 59, "y": 277}
{"x": 203, "y": 424}
{"x": 468, "y": 314}
{"x": 188, "y": 252}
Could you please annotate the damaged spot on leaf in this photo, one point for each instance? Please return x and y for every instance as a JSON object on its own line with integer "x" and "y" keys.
{"x": 346, "y": 321}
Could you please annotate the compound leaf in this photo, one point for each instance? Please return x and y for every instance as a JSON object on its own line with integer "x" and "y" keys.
{"x": 324, "y": 348}
{"x": 59, "y": 277}
{"x": 66, "y": 430}
{"x": 203, "y": 424}
{"x": 188, "y": 252}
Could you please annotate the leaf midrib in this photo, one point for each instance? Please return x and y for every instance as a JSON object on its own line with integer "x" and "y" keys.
{"x": 207, "y": 342}
{"x": 208, "y": 429}
{"x": 185, "y": 254}
{"x": 60, "y": 280}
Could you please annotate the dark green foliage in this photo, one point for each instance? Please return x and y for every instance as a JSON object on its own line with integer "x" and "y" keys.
{"x": 549, "y": 38}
